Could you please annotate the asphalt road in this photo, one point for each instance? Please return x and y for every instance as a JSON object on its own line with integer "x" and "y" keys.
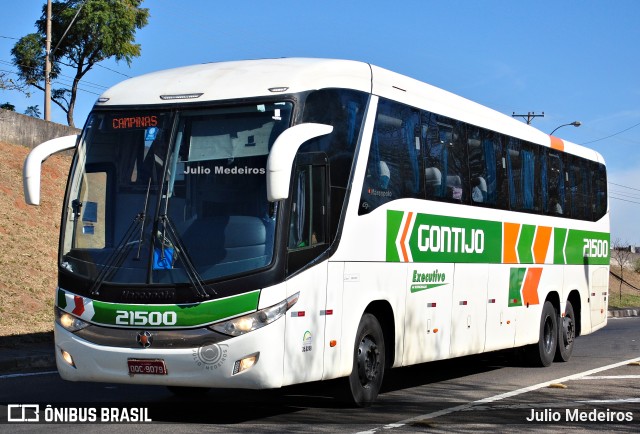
{"x": 491, "y": 392}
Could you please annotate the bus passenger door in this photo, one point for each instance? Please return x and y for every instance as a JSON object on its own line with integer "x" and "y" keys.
{"x": 308, "y": 238}
{"x": 469, "y": 312}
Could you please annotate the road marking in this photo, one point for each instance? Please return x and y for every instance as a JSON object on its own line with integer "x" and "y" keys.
{"x": 28, "y": 374}
{"x": 611, "y": 377}
{"x": 463, "y": 407}
{"x": 611, "y": 401}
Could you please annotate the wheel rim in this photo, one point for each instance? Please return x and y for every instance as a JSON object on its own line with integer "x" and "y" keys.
{"x": 548, "y": 334}
{"x": 568, "y": 330}
{"x": 368, "y": 360}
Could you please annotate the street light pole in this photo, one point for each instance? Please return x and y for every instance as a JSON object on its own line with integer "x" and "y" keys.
{"x": 47, "y": 68}
{"x": 574, "y": 123}
{"x": 529, "y": 116}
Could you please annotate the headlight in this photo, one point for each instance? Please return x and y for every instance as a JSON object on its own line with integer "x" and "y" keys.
{"x": 248, "y": 323}
{"x": 69, "y": 322}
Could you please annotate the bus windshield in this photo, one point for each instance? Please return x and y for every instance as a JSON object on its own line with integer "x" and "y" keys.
{"x": 171, "y": 196}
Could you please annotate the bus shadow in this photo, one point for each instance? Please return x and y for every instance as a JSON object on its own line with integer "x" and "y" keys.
{"x": 277, "y": 406}
{"x": 26, "y": 340}
{"x": 444, "y": 370}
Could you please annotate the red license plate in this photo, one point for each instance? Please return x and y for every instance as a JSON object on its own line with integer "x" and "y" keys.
{"x": 147, "y": 367}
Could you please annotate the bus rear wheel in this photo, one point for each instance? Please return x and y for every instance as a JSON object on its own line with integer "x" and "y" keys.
{"x": 566, "y": 334}
{"x": 542, "y": 353}
{"x": 368, "y": 362}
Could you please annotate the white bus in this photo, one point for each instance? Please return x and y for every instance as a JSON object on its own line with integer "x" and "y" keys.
{"x": 257, "y": 224}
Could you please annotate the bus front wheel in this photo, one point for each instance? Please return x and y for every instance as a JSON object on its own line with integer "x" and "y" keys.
{"x": 542, "y": 353}
{"x": 368, "y": 362}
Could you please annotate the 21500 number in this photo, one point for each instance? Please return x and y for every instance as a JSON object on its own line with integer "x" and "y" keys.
{"x": 141, "y": 318}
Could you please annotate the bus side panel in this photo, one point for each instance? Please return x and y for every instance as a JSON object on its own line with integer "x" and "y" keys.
{"x": 501, "y": 324}
{"x": 365, "y": 282}
{"x": 598, "y": 294}
{"x": 304, "y": 336}
{"x": 427, "y": 331}
{"x": 333, "y": 323}
{"x": 576, "y": 277}
{"x": 528, "y": 295}
{"x": 469, "y": 312}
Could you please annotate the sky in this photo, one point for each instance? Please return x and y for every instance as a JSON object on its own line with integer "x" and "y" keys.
{"x": 573, "y": 60}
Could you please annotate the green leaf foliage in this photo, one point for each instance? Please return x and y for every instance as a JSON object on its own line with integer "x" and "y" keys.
{"x": 83, "y": 33}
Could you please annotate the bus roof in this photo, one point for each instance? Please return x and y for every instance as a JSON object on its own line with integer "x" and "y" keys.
{"x": 269, "y": 77}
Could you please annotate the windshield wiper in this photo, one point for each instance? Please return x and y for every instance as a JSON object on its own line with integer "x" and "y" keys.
{"x": 180, "y": 252}
{"x": 144, "y": 214}
{"x": 120, "y": 253}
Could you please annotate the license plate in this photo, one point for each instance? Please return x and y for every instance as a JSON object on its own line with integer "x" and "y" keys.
{"x": 147, "y": 367}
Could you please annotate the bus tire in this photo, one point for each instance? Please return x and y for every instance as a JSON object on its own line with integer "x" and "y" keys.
{"x": 566, "y": 334}
{"x": 542, "y": 353}
{"x": 368, "y": 368}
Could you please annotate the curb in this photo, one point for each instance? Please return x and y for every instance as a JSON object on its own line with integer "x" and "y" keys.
{"x": 623, "y": 313}
{"x": 15, "y": 361}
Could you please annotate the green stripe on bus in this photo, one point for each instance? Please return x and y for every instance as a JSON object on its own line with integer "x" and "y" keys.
{"x": 558, "y": 245}
{"x": 516, "y": 278}
{"x": 525, "y": 243}
{"x": 62, "y": 300}
{"x": 422, "y": 286}
{"x": 445, "y": 239}
{"x": 394, "y": 220}
{"x": 587, "y": 248}
{"x": 188, "y": 315}
{"x": 451, "y": 239}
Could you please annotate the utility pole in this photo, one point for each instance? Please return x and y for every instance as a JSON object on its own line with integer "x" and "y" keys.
{"x": 529, "y": 116}
{"x": 47, "y": 68}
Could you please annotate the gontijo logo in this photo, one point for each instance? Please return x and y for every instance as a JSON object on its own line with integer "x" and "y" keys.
{"x": 415, "y": 237}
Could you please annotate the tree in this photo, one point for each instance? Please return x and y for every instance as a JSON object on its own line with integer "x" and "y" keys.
{"x": 103, "y": 29}
{"x": 622, "y": 255}
{"x": 33, "y": 111}
{"x": 5, "y": 82}
{"x": 8, "y": 106}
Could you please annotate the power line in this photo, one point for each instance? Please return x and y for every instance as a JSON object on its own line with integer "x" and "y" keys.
{"x": 624, "y": 200}
{"x": 631, "y": 196}
{"x": 615, "y": 134}
{"x": 85, "y": 82}
{"x": 113, "y": 70}
{"x": 624, "y": 186}
{"x": 57, "y": 81}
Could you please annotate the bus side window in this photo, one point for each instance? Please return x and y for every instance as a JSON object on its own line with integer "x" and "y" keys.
{"x": 458, "y": 171}
{"x": 578, "y": 188}
{"x": 514, "y": 172}
{"x": 308, "y": 209}
{"x": 435, "y": 155}
{"x": 394, "y": 167}
{"x": 90, "y": 209}
{"x": 598, "y": 190}
{"x": 555, "y": 179}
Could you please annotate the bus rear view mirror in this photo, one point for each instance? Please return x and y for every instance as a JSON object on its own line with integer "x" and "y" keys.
{"x": 33, "y": 165}
{"x": 283, "y": 152}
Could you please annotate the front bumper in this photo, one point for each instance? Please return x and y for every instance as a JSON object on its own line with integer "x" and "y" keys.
{"x": 205, "y": 366}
